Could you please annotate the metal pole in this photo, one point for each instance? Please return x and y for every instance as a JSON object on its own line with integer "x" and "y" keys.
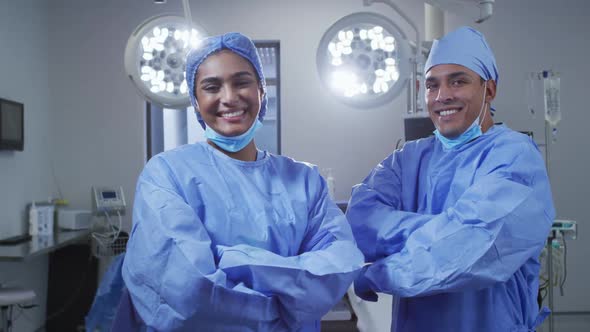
{"x": 551, "y": 236}
{"x": 4, "y": 318}
{"x": 434, "y": 22}
{"x": 550, "y": 279}
{"x": 412, "y": 86}
{"x": 187, "y": 12}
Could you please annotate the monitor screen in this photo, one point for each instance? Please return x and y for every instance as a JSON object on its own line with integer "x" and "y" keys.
{"x": 11, "y": 125}
{"x": 418, "y": 127}
{"x": 109, "y": 194}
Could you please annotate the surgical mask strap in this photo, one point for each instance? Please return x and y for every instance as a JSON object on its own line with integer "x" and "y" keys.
{"x": 483, "y": 104}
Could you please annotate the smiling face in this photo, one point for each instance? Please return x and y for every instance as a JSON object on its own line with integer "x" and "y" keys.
{"x": 228, "y": 93}
{"x": 455, "y": 95}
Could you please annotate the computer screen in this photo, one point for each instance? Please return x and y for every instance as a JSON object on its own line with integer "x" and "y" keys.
{"x": 418, "y": 127}
{"x": 11, "y": 125}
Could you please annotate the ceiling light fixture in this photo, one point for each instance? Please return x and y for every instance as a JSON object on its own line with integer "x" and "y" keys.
{"x": 155, "y": 59}
{"x": 363, "y": 59}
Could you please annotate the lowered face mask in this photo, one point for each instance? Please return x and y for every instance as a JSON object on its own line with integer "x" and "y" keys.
{"x": 233, "y": 143}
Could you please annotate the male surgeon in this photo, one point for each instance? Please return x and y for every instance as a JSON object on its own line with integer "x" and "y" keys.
{"x": 454, "y": 224}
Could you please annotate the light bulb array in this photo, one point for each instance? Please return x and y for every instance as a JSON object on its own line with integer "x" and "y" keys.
{"x": 363, "y": 59}
{"x": 155, "y": 59}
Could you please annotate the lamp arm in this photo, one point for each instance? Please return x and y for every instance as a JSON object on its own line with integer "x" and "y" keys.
{"x": 416, "y": 61}
{"x": 187, "y": 12}
{"x": 486, "y": 8}
{"x": 390, "y": 3}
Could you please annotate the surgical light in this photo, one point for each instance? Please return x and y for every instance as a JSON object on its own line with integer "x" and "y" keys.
{"x": 155, "y": 59}
{"x": 363, "y": 59}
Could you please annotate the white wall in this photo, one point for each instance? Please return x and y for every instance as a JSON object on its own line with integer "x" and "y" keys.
{"x": 99, "y": 117}
{"x": 96, "y": 127}
{"x": 26, "y": 175}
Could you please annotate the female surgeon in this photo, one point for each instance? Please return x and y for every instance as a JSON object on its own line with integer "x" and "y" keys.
{"x": 227, "y": 237}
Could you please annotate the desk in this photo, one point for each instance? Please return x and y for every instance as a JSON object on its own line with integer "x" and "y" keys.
{"x": 41, "y": 244}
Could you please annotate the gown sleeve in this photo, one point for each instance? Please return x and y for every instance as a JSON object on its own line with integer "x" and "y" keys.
{"x": 309, "y": 284}
{"x": 495, "y": 226}
{"x": 375, "y": 212}
{"x": 170, "y": 268}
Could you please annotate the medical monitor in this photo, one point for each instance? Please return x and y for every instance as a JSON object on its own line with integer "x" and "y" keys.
{"x": 417, "y": 127}
{"x": 11, "y": 125}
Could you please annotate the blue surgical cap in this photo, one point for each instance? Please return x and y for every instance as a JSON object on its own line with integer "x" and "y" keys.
{"x": 466, "y": 47}
{"x": 235, "y": 42}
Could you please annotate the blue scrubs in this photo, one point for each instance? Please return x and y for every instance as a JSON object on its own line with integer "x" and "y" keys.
{"x": 220, "y": 244}
{"x": 455, "y": 235}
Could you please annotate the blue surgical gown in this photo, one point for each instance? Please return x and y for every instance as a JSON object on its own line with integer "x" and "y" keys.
{"x": 219, "y": 244}
{"x": 455, "y": 235}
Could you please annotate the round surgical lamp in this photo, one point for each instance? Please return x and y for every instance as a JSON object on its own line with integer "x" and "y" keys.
{"x": 363, "y": 59}
{"x": 155, "y": 59}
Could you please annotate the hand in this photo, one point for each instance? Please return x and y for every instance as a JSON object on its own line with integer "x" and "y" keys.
{"x": 362, "y": 287}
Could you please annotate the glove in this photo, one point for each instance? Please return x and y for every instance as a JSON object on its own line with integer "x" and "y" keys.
{"x": 362, "y": 287}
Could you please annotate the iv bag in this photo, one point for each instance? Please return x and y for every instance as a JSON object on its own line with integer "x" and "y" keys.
{"x": 552, "y": 104}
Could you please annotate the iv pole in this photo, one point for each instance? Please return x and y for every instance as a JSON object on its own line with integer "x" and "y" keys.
{"x": 549, "y": 239}
{"x": 550, "y": 297}
{"x": 550, "y": 129}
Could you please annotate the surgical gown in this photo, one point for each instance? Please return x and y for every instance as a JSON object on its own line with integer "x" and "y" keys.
{"x": 220, "y": 244}
{"x": 455, "y": 235}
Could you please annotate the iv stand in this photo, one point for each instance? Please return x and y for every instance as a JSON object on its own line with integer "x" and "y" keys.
{"x": 549, "y": 239}
{"x": 552, "y": 235}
